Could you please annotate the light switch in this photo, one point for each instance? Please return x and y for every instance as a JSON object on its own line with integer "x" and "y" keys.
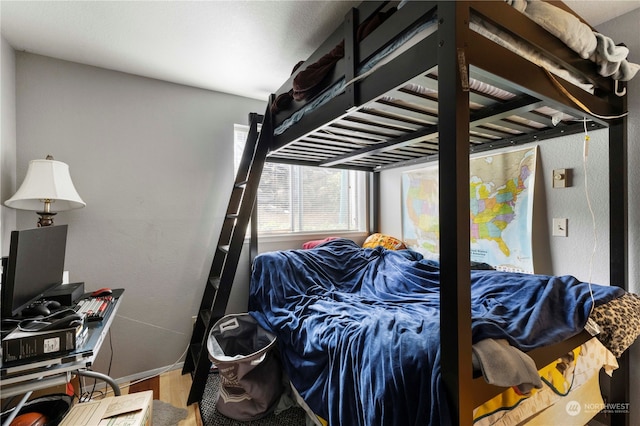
{"x": 559, "y": 227}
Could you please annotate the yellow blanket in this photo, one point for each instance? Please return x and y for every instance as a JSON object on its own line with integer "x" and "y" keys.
{"x": 562, "y": 380}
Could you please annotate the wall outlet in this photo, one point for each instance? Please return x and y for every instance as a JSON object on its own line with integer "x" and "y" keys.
{"x": 562, "y": 178}
{"x": 559, "y": 227}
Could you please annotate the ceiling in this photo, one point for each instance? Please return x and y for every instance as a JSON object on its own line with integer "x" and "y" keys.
{"x": 246, "y": 48}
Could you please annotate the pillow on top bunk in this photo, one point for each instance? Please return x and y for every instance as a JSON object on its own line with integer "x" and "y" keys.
{"x": 386, "y": 241}
{"x": 567, "y": 27}
{"x": 619, "y": 322}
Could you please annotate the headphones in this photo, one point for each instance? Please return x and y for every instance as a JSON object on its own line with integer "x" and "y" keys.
{"x": 66, "y": 318}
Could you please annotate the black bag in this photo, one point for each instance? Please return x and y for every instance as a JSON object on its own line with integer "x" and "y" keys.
{"x": 250, "y": 373}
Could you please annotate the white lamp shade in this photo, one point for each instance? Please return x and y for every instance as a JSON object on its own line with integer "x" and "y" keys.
{"x": 46, "y": 179}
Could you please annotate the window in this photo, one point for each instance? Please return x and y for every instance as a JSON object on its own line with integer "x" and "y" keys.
{"x": 307, "y": 199}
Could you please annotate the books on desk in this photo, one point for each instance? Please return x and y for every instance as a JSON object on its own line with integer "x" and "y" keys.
{"x": 30, "y": 346}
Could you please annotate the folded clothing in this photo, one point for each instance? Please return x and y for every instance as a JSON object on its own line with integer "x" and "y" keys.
{"x": 308, "y": 81}
{"x": 504, "y": 365}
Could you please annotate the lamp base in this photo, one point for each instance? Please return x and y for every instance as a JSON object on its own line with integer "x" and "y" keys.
{"x": 46, "y": 218}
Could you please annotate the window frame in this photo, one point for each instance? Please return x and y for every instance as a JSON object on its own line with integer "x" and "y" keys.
{"x": 277, "y": 236}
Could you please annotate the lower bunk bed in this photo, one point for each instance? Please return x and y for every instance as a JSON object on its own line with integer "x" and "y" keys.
{"x": 358, "y": 331}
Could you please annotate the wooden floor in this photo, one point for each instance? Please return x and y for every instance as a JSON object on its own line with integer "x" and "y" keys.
{"x": 172, "y": 388}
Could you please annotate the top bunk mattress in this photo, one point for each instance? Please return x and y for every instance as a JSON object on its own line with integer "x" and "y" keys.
{"x": 609, "y": 59}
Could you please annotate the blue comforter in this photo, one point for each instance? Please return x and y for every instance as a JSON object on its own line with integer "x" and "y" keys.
{"x": 359, "y": 329}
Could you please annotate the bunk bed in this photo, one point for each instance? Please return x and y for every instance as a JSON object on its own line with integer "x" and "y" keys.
{"x": 403, "y": 83}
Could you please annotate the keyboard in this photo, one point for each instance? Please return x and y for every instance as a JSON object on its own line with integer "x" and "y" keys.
{"x": 95, "y": 308}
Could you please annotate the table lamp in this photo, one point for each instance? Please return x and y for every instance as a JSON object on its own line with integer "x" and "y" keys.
{"x": 47, "y": 189}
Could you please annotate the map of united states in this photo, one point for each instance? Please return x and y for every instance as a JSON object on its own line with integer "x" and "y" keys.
{"x": 501, "y": 207}
{"x": 492, "y": 212}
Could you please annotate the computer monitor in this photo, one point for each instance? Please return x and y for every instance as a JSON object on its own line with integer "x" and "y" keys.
{"x": 35, "y": 264}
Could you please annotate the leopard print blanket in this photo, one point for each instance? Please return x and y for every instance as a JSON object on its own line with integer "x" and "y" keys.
{"x": 619, "y": 322}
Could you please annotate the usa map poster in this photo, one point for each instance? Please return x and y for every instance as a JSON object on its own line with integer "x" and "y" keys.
{"x": 501, "y": 200}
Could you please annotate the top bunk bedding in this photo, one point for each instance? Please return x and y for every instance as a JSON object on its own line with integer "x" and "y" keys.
{"x": 535, "y": 71}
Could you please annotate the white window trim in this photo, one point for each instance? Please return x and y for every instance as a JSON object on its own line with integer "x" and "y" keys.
{"x": 308, "y": 236}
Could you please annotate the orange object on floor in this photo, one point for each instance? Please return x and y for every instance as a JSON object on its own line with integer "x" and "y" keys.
{"x": 30, "y": 419}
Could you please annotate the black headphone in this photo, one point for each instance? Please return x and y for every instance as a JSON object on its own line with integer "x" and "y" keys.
{"x": 66, "y": 318}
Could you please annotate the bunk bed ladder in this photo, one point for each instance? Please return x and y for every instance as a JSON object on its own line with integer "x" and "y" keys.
{"x": 227, "y": 254}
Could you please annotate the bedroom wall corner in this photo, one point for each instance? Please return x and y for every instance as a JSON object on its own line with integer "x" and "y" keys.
{"x": 7, "y": 141}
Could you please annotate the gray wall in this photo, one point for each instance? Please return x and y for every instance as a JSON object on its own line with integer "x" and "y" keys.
{"x": 8, "y": 138}
{"x": 154, "y": 163}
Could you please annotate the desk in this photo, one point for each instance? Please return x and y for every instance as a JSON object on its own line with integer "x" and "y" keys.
{"x": 25, "y": 378}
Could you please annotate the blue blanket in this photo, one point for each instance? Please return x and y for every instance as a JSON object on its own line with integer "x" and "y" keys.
{"x": 359, "y": 329}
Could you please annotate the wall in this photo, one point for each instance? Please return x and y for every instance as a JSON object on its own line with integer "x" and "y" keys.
{"x": 154, "y": 163}
{"x": 8, "y": 141}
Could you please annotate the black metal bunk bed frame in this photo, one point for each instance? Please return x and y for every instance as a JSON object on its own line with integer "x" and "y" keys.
{"x": 458, "y": 53}
{"x": 360, "y": 129}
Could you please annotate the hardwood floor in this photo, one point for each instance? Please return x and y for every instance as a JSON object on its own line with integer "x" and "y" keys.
{"x": 173, "y": 388}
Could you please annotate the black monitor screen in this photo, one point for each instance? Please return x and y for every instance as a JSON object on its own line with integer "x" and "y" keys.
{"x": 35, "y": 264}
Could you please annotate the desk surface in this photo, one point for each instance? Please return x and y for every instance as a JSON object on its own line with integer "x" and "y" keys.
{"x": 15, "y": 375}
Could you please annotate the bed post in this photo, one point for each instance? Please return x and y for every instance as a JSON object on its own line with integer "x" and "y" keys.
{"x": 453, "y": 128}
{"x": 373, "y": 202}
{"x": 351, "y": 56}
{"x": 618, "y": 386}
